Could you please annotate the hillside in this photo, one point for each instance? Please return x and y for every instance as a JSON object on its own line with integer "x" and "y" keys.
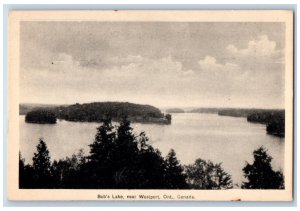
{"x": 96, "y": 112}
{"x": 274, "y": 121}
{"x": 24, "y": 108}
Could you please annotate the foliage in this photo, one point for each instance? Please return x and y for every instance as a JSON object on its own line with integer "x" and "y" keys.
{"x": 41, "y": 117}
{"x": 117, "y": 159}
{"x": 260, "y": 174}
{"x": 276, "y": 126}
{"x": 37, "y": 175}
{"x": 98, "y": 111}
{"x": 175, "y": 177}
{"x": 206, "y": 175}
{"x": 21, "y": 171}
{"x": 168, "y": 118}
{"x": 66, "y": 172}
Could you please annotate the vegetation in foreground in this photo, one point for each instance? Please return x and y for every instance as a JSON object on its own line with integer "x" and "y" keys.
{"x": 260, "y": 174}
{"x": 119, "y": 159}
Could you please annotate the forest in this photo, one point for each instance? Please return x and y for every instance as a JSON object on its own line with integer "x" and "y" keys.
{"x": 96, "y": 112}
{"x": 274, "y": 120}
{"x": 40, "y": 117}
{"x": 119, "y": 159}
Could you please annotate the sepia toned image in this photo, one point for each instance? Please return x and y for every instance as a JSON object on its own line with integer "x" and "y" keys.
{"x": 151, "y": 105}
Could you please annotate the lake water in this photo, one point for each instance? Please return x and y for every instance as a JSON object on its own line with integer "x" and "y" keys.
{"x": 229, "y": 140}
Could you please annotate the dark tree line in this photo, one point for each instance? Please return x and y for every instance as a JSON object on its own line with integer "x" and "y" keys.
{"x": 274, "y": 120}
{"x": 41, "y": 117}
{"x": 118, "y": 159}
{"x": 97, "y": 111}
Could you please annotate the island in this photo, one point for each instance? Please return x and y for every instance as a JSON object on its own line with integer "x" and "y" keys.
{"x": 41, "y": 117}
{"x": 97, "y": 111}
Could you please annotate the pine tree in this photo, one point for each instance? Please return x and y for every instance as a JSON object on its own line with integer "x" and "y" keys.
{"x": 126, "y": 148}
{"x": 100, "y": 150}
{"x": 125, "y": 156}
{"x": 174, "y": 172}
{"x": 100, "y": 169}
{"x": 260, "y": 174}
{"x": 41, "y": 164}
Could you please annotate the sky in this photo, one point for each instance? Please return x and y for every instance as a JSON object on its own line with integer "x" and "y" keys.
{"x": 165, "y": 64}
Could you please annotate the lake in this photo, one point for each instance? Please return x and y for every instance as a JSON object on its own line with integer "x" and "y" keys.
{"x": 229, "y": 140}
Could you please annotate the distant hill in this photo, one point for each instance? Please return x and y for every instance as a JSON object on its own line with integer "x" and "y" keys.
{"x": 96, "y": 112}
{"x": 175, "y": 110}
{"x": 204, "y": 110}
{"x": 24, "y": 108}
{"x": 244, "y": 112}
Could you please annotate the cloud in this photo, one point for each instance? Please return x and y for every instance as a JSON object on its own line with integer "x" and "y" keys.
{"x": 138, "y": 66}
{"x": 261, "y": 58}
{"x": 137, "y": 76}
{"x": 210, "y": 63}
{"x": 127, "y": 59}
{"x": 155, "y": 63}
{"x": 260, "y": 47}
{"x": 64, "y": 59}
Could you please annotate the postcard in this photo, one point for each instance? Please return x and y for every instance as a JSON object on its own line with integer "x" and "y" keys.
{"x": 148, "y": 105}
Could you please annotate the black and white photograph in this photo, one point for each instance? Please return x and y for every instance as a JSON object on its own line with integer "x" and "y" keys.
{"x": 151, "y": 105}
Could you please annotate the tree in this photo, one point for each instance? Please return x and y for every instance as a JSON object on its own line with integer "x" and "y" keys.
{"x": 150, "y": 169}
{"x": 41, "y": 117}
{"x": 168, "y": 118}
{"x": 119, "y": 159}
{"x": 100, "y": 149}
{"x": 125, "y": 155}
{"x": 66, "y": 172}
{"x": 174, "y": 172}
{"x": 21, "y": 171}
{"x": 206, "y": 175}
{"x": 126, "y": 149}
{"x": 260, "y": 174}
{"x": 42, "y": 164}
{"x": 100, "y": 168}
